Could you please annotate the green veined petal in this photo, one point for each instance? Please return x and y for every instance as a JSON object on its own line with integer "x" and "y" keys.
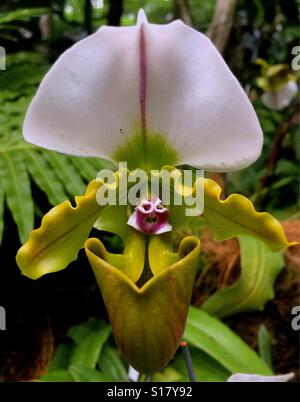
{"x": 63, "y": 231}
{"x": 236, "y": 216}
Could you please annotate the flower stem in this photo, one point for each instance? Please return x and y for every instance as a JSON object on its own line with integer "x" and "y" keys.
{"x": 188, "y": 361}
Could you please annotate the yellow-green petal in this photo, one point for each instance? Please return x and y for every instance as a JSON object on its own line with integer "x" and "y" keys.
{"x": 236, "y": 215}
{"x": 131, "y": 261}
{"x": 147, "y": 322}
{"x": 62, "y": 233}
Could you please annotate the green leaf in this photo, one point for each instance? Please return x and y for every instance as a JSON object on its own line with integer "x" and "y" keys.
{"x": 111, "y": 364}
{"x": 81, "y": 373}
{"x": 87, "y": 352}
{"x": 79, "y": 332}
{"x": 62, "y": 356}
{"x": 210, "y": 335}
{"x": 282, "y": 183}
{"x": 255, "y": 286}
{"x": 19, "y": 87}
{"x": 265, "y": 345}
{"x": 286, "y": 167}
{"x": 57, "y": 376}
{"x": 22, "y": 14}
{"x": 205, "y": 367}
{"x": 169, "y": 374}
{"x": 16, "y": 185}
{"x": 7, "y": 36}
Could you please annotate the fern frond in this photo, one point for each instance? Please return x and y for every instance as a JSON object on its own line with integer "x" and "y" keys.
{"x": 66, "y": 171}
{"x": 16, "y": 185}
{"x": 89, "y": 167}
{"x": 85, "y": 167}
{"x": 44, "y": 176}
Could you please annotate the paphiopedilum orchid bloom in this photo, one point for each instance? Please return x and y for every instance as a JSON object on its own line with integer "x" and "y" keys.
{"x": 278, "y": 83}
{"x": 150, "y": 95}
{"x": 282, "y": 98}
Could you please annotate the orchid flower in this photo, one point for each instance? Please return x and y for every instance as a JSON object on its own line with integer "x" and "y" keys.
{"x": 278, "y": 100}
{"x": 154, "y": 96}
{"x": 279, "y": 85}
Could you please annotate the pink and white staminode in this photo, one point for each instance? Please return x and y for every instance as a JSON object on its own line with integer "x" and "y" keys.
{"x": 150, "y": 217}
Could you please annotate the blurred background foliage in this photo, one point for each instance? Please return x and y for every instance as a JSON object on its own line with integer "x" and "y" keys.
{"x": 34, "y": 33}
